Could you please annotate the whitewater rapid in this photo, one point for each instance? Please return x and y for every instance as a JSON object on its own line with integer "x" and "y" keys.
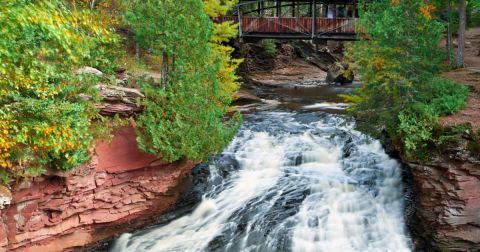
{"x": 291, "y": 182}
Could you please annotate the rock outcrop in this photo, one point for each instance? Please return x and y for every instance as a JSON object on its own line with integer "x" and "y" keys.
{"x": 339, "y": 73}
{"x": 447, "y": 195}
{"x": 119, "y": 100}
{"x": 63, "y": 210}
{"x": 89, "y": 71}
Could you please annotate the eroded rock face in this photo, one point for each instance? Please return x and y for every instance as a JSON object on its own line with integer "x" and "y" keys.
{"x": 5, "y": 197}
{"x": 119, "y": 100}
{"x": 120, "y": 184}
{"x": 447, "y": 192}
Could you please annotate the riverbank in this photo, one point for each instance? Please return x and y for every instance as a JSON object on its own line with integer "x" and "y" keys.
{"x": 447, "y": 187}
{"x": 291, "y": 63}
{"x": 119, "y": 190}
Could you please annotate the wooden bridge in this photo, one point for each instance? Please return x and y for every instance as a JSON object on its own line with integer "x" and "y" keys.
{"x": 301, "y": 19}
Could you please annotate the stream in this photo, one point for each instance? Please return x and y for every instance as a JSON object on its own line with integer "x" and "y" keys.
{"x": 297, "y": 177}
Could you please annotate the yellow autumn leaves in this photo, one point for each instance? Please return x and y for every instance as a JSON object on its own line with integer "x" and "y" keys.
{"x": 223, "y": 32}
{"x": 6, "y": 143}
{"x": 43, "y": 121}
{"x": 426, "y": 9}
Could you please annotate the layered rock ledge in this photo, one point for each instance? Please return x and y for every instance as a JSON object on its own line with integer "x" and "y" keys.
{"x": 120, "y": 189}
{"x": 447, "y": 200}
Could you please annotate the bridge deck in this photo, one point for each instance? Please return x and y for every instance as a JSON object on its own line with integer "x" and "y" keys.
{"x": 295, "y": 27}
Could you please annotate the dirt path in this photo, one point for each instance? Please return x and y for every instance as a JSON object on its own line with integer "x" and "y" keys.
{"x": 470, "y": 76}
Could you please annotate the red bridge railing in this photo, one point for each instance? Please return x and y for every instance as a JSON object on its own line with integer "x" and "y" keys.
{"x": 294, "y": 25}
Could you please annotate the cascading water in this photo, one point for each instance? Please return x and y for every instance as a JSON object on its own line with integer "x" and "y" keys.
{"x": 291, "y": 182}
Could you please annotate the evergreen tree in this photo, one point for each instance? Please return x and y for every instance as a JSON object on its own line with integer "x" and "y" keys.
{"x": 183, "y": 115}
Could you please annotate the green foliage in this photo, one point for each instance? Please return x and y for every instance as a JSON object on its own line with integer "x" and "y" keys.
{"x": 43, "y": 120}
{"x": 183, "y": 115}
{"x": 217, "y": 8}
{"x": 444, "y": 95}
{"x": 222, "y": 33}
{"x": 269, "y": 46}
{"x": 473, "y": 10}
{"x": 451, "y": 134}
{"x": 402, "y": 94}
{"x": 416, "y": 126}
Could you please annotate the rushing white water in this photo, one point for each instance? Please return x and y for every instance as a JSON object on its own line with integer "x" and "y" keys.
{"x": 291, "y": 182}
{"x": 327, "y": 105}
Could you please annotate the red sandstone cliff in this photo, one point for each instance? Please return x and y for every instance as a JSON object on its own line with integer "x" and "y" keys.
{"x": 120, "y": 188}
{"x": 447, "y": 195}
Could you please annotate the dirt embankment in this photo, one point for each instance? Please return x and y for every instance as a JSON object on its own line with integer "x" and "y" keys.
{"x": 292, "y": 63}
{"x": 469, "y": 76}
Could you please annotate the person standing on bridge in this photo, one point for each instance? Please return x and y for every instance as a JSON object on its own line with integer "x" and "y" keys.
{"x": 330, "y": 13}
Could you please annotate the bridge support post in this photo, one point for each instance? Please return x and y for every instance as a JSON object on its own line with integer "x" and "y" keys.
{"x": 279, "y": 8}
{"x": 293, "y": 9}
{"x": 314, "y": 7}
{"x": 239, "y": 23}
{"x": 310, "y": 11}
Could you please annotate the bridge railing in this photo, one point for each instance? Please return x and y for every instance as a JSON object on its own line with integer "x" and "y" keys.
{"x": 294, "y": 25}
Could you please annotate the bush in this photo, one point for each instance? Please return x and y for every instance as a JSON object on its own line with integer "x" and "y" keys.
{"x": 416, "y": 126}
{"x": 269, "y": 46}
{"x": 43, "y": 120}
{"x": 447, "y": 96}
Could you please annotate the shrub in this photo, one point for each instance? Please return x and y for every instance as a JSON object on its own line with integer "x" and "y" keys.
{"x": 43, "y": 120}
{"x": 269, "y": 46}
{"x": 416, "y": 126}
{"x": 445, "y": 95}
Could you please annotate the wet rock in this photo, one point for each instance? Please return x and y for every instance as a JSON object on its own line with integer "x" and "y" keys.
{"x": 348, "y": 148}
{"x": 339, "y": 73}
{"x": 244, "y": 96}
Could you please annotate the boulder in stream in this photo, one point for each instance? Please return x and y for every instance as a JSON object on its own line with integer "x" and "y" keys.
{"x": 339, "y": 73}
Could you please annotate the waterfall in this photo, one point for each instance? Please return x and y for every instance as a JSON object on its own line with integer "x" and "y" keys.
{"x": 291, "y": 182}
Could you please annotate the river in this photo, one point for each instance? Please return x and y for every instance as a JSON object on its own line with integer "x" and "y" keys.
{"x": 297, "y": 177}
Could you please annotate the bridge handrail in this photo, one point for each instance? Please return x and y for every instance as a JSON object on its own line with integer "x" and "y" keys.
{"x": 294, "y": 24}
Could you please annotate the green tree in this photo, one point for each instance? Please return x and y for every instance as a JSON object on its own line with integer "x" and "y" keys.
{"x": 44, "y": 122}
{"x": 399, "y": 63}
{"x": 183, "y": 115}
{"x": 223, "y": 33}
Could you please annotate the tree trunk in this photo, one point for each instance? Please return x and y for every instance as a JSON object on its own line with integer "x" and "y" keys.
{"x": 137, "y": 51}
{"x": 461, "y": 32}
{"x": 164, "y": 70}
{"x": 449, "y": 33}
